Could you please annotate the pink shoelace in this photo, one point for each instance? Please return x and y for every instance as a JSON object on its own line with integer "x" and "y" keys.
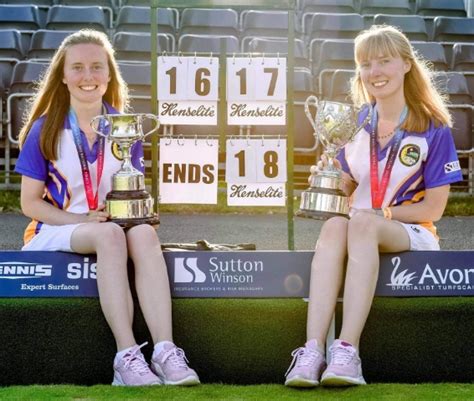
{"x": 176, "y": 357}
{"x": 341, "y": 355}
{"x": 135, "y": 361}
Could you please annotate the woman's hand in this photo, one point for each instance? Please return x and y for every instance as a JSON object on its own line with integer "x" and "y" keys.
{"x": 347, "y": 184}
{"x": 34, "y": 206}
{"x": 98, "y": 215}
{"x": 322, "y": 164}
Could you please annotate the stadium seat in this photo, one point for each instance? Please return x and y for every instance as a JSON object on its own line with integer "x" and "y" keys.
{"x": 463, "y": 60}
{"x": 39, "y": 3}
{"x": 209, "y": 21}
{"x": 327, "y": 6}
{"x": 6, "y": 71}
{"x": 137, "y": 19}
{"x": 454, "y": 84}
{"x": 208, "y": 44}
{"x": 463, "y": 57}
{"x": 448, "y": 8}
{"x": 340, "y": 86}
{"x": 10, "y": 53}
{"x": 433, "y": 52}
{"x": 136, "y": 46}
{"x": 333, "y": 26}
{"x": 107, "y": 5}
{"x": 453, "y": 29}
{"x": 333, "y": 54}
{"x": 322, "y": 83}
{"x": 25, "y": 75}
{"x": 413, "y": 26}
{"x": 72, "y": 18}
{"x": 275, "y": 46}
{"x": 22, "y": 17}
{"x": 141, "y": 3}
{"x": 462, "y": 126}
{"x": 397, "y": 7}
{"x": 44, "y": 43}
{"x": 265, "y": 24}
{"x": 137, "y": 75}
{"x": 304, "y": 132}
{"x": 100, "y": 3}
{"x": 10, "y": 44}
{"x": 303, "y": 84}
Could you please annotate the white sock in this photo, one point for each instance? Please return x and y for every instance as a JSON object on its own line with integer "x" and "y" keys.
{"x": 160, "y": 346}
{"x": 120, "y": 354}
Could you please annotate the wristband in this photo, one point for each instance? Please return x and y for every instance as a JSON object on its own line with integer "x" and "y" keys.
{"x": 387, "y": 213}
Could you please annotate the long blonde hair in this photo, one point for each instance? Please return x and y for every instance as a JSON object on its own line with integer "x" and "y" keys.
{"x": 425, "y": 103}
{"x": 52, "y": 97}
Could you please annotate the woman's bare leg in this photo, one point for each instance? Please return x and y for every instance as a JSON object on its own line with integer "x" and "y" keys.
{"x": 108, "y": 241}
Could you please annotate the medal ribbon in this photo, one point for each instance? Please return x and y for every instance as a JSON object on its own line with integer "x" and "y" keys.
{"x": 92, "y": 200}
{"x": 378, "y": 189}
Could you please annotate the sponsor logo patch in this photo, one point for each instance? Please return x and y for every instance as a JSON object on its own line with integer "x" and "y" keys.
{"x": 409, "y": 155}
{"x": 451, "y": 167}
{"x": 22, "y": 270}
{"x": 186, "y": 270}
{"x": 429, "y": 279}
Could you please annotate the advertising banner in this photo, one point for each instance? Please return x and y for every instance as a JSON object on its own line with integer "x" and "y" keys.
{"x": 242, "y": 274}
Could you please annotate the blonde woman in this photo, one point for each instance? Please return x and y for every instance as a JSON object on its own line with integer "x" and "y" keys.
{"x": 66, "y": 173}
{"x": 398, "y": 171}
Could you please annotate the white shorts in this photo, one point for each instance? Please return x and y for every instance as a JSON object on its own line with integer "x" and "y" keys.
{"x": 421, "y": 239}
{"x": 52, "y": 238}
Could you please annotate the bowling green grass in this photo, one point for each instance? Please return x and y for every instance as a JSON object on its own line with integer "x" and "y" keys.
{"x": 458, "y": 205}
{"x": 221, "y": 392}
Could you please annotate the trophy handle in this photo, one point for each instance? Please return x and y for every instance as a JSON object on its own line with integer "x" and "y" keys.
{"x": 94, "y": 125}
{"x": 151, "y": 117}
{"x": 312, "y": 101}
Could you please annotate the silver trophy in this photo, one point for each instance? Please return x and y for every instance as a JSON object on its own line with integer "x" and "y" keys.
{"x": 128, "y": 203}
{"x": 335, "y": 124}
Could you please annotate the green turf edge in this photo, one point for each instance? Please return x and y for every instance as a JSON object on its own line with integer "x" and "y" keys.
{"x": 376, "y": 392}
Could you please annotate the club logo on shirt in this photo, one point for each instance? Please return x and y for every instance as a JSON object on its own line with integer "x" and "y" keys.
{"x": 116, "y": 151}
{"x": 451, "y": 167}
{"x": 409, "y": 155}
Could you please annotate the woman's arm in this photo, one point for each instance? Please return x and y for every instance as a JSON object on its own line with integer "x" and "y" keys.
{"x": 431, "y": 208}
{"x": 348, "y": 184}
{"x": 33, "y": 206}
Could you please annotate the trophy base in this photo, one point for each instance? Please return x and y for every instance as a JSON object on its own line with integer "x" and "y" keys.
{"x": 132, "y": 222}
{"x": 317, "y": 215}
{"x": 322, "y": 204}
{"x": 131, "y": 208}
